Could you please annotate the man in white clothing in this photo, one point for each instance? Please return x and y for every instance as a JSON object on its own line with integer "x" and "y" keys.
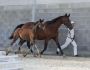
{"x": 70, "y": 39}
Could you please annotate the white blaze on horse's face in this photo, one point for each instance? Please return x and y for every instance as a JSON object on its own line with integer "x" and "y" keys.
{"x": 43, "y": 28}
{"x": 41, "y": 25}
{"x": 72, "y": 22}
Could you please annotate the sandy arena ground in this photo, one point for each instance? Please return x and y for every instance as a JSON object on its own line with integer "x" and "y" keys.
{"x": 53, "y": 62}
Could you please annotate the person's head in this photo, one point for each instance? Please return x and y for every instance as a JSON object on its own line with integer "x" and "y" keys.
{"x": 72, "y": 22}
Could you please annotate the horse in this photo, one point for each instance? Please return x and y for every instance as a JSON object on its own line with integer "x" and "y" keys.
{"x": 19, "y": 26}
{"x": 29, "y": 35}
{"x": 15, "y": 34}
{"x": 50, "y": 30}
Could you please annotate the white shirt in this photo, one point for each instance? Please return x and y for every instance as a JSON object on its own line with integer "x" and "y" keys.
{"x": 70, "y": 33}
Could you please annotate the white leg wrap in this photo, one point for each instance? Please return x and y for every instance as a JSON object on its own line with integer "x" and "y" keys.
{"x": 58, "y": 50}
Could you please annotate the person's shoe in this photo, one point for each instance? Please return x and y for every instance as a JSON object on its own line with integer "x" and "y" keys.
{"x": 76, "y": 55}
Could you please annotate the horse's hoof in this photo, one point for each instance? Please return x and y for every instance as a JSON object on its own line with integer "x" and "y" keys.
{"x": 15, "y": 52}
{"x": 31, "y": 51}
{"x": 7, "y": 53}
{"x": 57, "y": 52}
{"x": 76, "y": 56}
{"x": 34, "y": 55}
{"x": 24, "y": 55}
{"x": 41, "y": 53}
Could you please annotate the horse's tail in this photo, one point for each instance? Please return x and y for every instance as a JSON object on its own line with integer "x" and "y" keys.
{"x": 19, "y": 26}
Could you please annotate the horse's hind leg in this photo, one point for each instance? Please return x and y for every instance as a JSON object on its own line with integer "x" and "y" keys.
{"x": 20, "y": 44}
{"x": 29, "y": 46}
{"x": 14, "y": 40}
{"x": 8, "y": 50}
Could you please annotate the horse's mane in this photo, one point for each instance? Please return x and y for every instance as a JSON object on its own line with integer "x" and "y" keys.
{"x": 53, "y": 20}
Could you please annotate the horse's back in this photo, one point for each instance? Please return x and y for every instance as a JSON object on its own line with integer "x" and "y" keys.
{"x": 28, "y": 25}
{"x": 16, "y": 33}
{"x": 25, "y": 33}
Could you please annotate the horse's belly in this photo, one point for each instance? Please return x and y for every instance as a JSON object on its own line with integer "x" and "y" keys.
{"x": 39, "y": 37}
{"x": 43, "y": 37}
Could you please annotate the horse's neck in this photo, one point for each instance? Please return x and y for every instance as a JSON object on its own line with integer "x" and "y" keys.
{"x": 56, "y": 24}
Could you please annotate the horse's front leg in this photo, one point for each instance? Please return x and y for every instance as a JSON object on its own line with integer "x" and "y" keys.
{"x": 58, "y": 45}
{"x": 38, "y": 52}
{"x": 45, "y": 46}
{"x": 30, "y": 47}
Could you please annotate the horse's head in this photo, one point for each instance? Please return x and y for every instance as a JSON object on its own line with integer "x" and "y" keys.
{"x": 39, "y": 24}
{"x": 66, "y": 21}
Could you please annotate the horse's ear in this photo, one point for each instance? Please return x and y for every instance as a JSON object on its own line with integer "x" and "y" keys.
{"x": 41, "y": 20}
{"x": 68, "y": 15}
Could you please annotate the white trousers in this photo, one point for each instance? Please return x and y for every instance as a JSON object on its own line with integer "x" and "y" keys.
{"x": 68, "y": 41}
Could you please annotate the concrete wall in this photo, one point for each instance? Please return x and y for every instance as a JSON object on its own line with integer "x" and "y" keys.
{"x": 12, "y": 15}
{"x": 28, "y": 2}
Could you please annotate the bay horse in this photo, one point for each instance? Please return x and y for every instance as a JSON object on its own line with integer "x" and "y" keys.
{"x": 31, "y": 24}
{"x": 27, "y": 34}
{"x": 14, "y": 36}
{"x": 50, "y": 30}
